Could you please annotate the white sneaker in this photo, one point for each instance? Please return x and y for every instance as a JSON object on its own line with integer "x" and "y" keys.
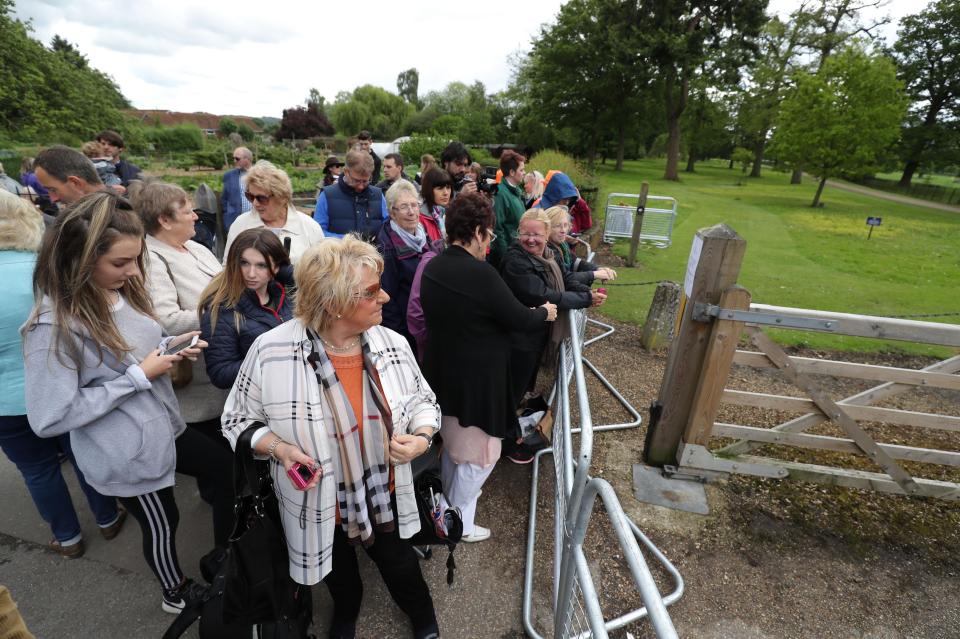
{"x": 479, "y": 534}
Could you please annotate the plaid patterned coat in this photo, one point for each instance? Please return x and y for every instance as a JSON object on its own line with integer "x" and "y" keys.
{"x": 277, "y": 386}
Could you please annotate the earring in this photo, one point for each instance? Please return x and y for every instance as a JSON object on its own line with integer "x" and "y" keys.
{"x": 339, "y": 316}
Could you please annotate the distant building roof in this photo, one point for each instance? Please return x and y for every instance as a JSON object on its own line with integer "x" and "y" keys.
{"x": 206, "y": 121}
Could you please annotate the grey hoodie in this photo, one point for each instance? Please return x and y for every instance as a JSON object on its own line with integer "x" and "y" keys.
{"x": 122, "y": 427}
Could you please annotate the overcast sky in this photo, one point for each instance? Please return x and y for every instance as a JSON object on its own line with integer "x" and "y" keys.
{"x": 256, "y": 59}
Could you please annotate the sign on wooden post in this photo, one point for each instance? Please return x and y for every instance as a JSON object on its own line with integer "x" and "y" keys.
{"x": 638, "y": 224}
{"x": 714, "y": 266}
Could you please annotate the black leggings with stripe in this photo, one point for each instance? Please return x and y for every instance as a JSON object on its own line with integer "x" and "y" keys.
{"x": 157, "y": 514}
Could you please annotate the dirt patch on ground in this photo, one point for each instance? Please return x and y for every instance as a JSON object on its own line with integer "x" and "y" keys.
{"x": 778, "y": 558}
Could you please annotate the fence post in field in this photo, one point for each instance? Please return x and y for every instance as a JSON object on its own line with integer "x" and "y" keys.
{"x": 638, "y": 224}
{"x": 712, "y": 268}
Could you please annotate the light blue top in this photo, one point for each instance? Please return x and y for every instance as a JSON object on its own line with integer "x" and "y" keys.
{"x": 16, "y": 272}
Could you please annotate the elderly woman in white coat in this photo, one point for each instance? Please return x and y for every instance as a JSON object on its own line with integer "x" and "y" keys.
{"x": 336, "y": 392}
{"x": 178, "y": 269}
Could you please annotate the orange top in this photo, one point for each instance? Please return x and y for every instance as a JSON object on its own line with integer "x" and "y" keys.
{"x": 349, "y": 369}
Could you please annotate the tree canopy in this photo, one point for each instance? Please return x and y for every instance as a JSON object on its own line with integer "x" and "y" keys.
{"x": 51, "y": 94}
{"x": 843, "y": 118}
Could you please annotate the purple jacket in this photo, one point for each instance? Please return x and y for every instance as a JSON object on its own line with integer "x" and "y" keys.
{"x": 416, "y": 324}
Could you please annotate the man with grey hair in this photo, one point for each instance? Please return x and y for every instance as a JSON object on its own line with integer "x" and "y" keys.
{"x": 66, "y": 173}
{"x": 351, "y": 204}
{"x": 232, "y": 200}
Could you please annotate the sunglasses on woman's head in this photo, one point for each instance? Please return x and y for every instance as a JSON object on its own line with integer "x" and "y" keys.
{"x": 261, "y": 199}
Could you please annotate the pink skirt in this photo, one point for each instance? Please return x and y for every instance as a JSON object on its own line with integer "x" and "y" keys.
{"x": 468, "y": 444}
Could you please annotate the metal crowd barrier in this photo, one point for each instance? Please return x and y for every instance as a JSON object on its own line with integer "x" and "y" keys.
{"x": 575, "y": 604}
{"x": 659, "y": 215}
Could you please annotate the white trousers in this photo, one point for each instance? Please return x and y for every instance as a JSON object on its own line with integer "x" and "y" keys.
{"x": 461, "y": 487}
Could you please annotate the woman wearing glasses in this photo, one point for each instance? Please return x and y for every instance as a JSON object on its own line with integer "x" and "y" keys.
{"x": 535, "y": 276}
{"x": 335, "y": 392}
{"x": 271, "y": 194}
{"x": 402, "y": 242}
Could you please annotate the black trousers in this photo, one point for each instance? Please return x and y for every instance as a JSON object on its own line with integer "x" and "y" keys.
{"x": 400, "y": 569}
{"x": 157, "y": 512}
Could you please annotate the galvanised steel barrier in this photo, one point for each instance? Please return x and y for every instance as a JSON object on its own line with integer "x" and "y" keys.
{"x": 575, "y": 605}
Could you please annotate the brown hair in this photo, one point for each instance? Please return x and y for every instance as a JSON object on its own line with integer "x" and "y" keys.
{"x": 226, "y": 288}
{"x": 64, "y": 274}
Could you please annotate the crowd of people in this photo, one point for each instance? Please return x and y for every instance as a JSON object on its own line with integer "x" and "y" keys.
{"x": 345, "y": 341}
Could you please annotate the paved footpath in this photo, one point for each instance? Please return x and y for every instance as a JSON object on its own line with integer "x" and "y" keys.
{"x": 893, "y": 197}
{"x": 109, "y": 592}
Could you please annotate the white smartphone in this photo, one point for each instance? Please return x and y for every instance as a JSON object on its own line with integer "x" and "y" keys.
{"x": 182, "y": 346}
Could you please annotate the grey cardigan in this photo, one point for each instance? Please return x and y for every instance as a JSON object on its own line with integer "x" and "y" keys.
{"x": 122, "y": 427}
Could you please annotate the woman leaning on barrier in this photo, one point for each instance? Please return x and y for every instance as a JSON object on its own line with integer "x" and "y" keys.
{"x": 469, "y": 314}
{"x": 532, "y": 271}
{"x": 337, "y": 393}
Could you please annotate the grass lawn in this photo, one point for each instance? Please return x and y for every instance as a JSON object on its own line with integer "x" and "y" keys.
{"x": 796, "y": 255}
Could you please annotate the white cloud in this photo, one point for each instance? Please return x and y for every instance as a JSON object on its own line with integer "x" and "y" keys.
{"x": 255, "y": 59}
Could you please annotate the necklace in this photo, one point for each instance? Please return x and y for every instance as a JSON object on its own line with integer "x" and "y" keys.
{"x": 339, "y": 349}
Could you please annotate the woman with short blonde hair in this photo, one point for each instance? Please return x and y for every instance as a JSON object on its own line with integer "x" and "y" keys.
{"x": 269, "y": 190}
{"x": 355, "y": 412}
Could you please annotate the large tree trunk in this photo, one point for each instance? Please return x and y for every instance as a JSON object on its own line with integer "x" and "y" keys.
{"x": 758, "y": 156}
{"x": 675, "y": 98}
{"x": 673, "y": 149}
{"x": 797, "y": 176}
{"x": 816, "y": 198}
{"x": 691, "y": 160}
{"x": 621, "y": 145}
{"x": 908, "y": 171}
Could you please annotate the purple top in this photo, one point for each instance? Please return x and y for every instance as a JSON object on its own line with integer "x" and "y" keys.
{"x": 416, "y": 324}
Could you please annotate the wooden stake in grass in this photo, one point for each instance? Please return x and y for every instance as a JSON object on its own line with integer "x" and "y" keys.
{"x": 638, "y": 223}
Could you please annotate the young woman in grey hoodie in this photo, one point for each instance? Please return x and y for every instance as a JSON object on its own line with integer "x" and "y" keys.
{"x": 96, "y": 369}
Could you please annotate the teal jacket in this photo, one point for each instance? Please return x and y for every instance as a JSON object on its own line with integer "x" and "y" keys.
{"x": 16, "y": 271}
{"x": 508, "y": 207}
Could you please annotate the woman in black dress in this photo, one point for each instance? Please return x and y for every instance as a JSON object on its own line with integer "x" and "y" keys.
{"x": 470, "y": 313}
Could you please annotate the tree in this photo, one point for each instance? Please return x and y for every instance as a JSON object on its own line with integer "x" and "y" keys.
{"x": 303, "y": 122}
{"x": 51, "y": 94}
{"x": 582, "y": 77}
{"x": 371, "y": 108}
{"x": 743, "y": 157}
{"x": 226, "y": 127}
{"x": 314, "y": 98}
{"x": 705, "y": 129}
{"x": 928, "y": 51}
{"x": 682, "y": 35}
{"x": 841, "y": 119}
{"x": 407, "y": 84}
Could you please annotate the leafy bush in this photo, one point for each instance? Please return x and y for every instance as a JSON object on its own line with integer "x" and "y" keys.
{"x": 417, "y": 145}
{"x": 211, "y": 159}
{"x": 279, "y": 155}
{"x": 182, "y": 137}
{"x": 549, "y": 160}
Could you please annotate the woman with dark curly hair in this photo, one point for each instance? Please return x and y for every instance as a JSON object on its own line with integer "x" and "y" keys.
{"x": 470, "y": 313}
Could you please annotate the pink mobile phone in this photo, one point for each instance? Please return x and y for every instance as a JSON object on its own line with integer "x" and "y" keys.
{"x": 602, "y": 290}
{"x": 301, "y": 475}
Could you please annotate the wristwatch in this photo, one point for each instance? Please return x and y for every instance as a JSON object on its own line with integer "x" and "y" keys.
{"x": 429, "y": 439}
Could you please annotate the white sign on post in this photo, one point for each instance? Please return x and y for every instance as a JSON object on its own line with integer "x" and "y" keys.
{"x": 692, "y": 265}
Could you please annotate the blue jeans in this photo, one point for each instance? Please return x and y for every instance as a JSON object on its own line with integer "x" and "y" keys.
{"x": 37, "y": 460}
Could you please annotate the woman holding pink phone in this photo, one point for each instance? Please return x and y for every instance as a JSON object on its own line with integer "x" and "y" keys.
{"x": 97, "y": 362}
{"x": 340, "y": 407}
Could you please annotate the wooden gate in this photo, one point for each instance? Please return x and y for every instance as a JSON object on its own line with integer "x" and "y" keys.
{"x": 715, "y": 320}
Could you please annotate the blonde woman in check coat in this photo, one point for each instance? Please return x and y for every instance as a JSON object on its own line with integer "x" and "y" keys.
{"x": 302, "y": 386}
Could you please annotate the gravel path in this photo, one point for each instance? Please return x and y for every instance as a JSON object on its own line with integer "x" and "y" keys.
{"x": 893, "y": 197}
{"x": 786, "y": 559}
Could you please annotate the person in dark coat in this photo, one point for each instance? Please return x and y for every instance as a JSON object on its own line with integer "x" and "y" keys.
{"x": 532, "y": 271}
{"x": 402, "y": 241}
{"x": 242, "y": 302}
{"x": 584, "y": 271}
{"x": 351, "y": 205}
{"x": 469, "y": 313}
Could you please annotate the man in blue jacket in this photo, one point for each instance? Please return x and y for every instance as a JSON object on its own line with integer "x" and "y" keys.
{"x": 232, "y": 200}
{"x": 351, "y": 205}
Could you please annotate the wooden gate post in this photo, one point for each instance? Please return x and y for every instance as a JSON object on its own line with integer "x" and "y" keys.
{"x": 713, "y": 267}
{"x": 638, "y": 224}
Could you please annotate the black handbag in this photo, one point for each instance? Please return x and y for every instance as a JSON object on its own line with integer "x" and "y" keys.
{"x": 436, "y": 528}
{"x": 257, "y": 584}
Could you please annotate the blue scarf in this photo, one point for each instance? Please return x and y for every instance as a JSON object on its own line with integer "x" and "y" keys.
{"x": 416, "y": 241}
